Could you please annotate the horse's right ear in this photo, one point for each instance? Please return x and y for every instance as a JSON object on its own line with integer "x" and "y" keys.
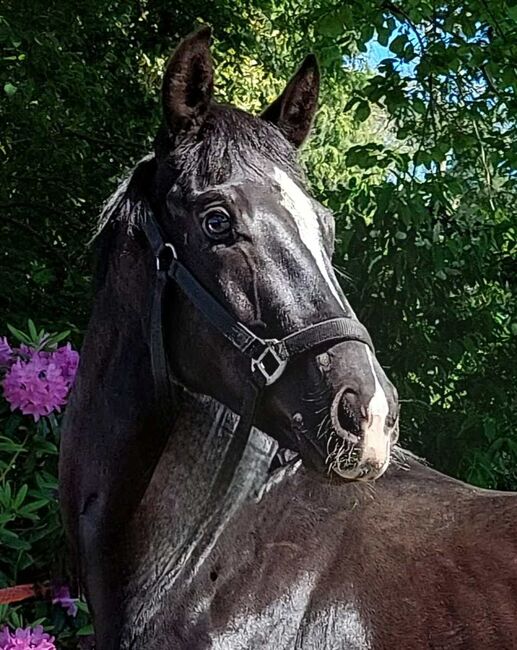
{"x": 293, "y": 112}
{"x": 188, "y": 83}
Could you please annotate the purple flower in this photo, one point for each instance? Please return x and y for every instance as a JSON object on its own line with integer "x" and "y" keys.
{"x": 35, "y": 387}
{"x": 6, "y": 352}
{"x": 24, "y": 351}
{"x": 62, "y": 597}
{"x": 37, "y": 381}
{"x": 68, "y": 360}
{"x": 26, "y": 639}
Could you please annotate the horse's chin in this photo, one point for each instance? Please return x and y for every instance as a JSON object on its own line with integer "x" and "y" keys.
{"x": 360, "y": 472}
{"x": 353, "y": 459}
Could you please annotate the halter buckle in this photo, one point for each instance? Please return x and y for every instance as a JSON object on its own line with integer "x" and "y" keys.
{"x": 269, "y": 363}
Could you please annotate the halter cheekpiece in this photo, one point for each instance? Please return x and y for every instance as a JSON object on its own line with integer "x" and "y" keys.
{"x": 268, "y": 357}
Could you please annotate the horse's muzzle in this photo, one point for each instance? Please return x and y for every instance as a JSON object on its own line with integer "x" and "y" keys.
{"x": 361, "y": 441}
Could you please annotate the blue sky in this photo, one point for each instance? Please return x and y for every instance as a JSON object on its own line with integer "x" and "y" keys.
{"x": 376, "y": 53}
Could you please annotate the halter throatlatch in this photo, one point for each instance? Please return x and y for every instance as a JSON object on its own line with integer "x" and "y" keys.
{"x": 268, "y": 357}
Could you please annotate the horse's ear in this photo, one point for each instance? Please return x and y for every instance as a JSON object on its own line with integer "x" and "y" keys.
{"x": 188, "y": 83}
{"x": 293, "y": 111}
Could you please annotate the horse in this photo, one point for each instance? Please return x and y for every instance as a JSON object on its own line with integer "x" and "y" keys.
{"x": 229, "y": 474}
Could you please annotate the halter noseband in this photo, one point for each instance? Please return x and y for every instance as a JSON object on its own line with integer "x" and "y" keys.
{"x": 268, "y": 357}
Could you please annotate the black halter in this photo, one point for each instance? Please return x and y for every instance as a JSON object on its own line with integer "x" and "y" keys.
{"x": 268, "y": 357}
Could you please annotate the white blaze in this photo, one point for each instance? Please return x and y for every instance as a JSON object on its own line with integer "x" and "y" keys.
{"x": 299, "y": 206}
{"x": 376, "y": 441}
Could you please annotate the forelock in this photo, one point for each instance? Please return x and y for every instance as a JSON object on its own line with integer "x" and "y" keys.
{"x": 232, "y": 143}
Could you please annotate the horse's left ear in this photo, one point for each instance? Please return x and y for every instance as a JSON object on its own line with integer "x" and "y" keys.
{"x": 293, "y": 111}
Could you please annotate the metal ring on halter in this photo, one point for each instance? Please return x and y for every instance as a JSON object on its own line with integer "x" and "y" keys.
{"x": 160, "y": 257}
{"x": 269, "y": 363}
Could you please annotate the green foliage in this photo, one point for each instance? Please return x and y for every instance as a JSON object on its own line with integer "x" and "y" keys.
{"x": 431, "y": 246}
{"x": 416, "y": 157}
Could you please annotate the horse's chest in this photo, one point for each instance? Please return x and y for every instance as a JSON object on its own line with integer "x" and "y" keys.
{"x": 265, "y": 620}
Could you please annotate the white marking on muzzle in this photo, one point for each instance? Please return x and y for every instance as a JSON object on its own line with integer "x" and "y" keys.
{"x": 299, "y": 206}
{"x": 376, "y": 442}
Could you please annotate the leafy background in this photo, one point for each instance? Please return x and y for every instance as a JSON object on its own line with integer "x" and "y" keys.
{"x": 414, "y": 149}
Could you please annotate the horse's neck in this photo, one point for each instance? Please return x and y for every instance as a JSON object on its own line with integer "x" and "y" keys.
{"x": 117, "y": 359}
{"x": 172, "y": 533}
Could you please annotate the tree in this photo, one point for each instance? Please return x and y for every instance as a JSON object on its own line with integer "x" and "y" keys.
{"x": 416, "y": 157}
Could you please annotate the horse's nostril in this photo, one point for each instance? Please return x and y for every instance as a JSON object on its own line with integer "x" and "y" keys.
{"x": 346, "y": 414}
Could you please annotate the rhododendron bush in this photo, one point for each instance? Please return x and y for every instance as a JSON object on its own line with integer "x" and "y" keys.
{"x": 37, "y": 371}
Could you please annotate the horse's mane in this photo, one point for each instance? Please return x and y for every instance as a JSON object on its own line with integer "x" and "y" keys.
{"x": 128, "y": 203}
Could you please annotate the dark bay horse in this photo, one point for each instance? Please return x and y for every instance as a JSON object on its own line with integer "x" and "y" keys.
{"x": 183, "y": 543}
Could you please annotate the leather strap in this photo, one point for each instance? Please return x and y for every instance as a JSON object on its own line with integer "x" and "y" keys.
{"x": 328, "y": 331}
{"x": 268, "y": 356}
{"x": 237, "y": 333}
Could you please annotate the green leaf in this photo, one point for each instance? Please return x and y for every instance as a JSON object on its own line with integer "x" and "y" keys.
{"x": 19, "y": 335}
{"x": 362, "y": 112}
{"x": 419, "y": 106}
{"x": 57, "y": 338}
{"x": 10, "y": 446}
{"x": 383, "y": 35}
{"x": 36, "y": 505}
{"x": 20, "y": 496}
{"x": 330, "y": 25}
{"x": 32, "y": 330}
{"x": 9, "y": 89}
{"x": 398, "y": 44}
{"x": 351, "y": 103}
{"x": 14, "y": 541}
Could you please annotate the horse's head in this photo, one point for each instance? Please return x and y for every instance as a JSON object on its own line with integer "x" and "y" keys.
{"x": 231, "y": 197}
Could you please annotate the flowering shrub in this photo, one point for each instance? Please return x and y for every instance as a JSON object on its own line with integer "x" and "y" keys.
{"x": 37, "y": 370}
{"x": 26, "y": 639}
{"x": 38, "y": 381}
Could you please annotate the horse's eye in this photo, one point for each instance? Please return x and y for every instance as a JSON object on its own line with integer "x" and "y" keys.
{"x": 217, "y": 224}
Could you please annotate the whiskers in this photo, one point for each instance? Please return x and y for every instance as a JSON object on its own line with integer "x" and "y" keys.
{"x": 341, "y": 454}
{"x": 324, "y": 427}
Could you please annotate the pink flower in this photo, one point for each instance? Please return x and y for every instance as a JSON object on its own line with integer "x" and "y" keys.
{"x": 35, "y": 387}
{"x": 26, "y": 639}
{"x": 38, "y": 382}
{"x": 64, "y": 357}
{"x": 62, "y": 597}
{"x": 68, "y": 360}
{"x": 6, "y": 352}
